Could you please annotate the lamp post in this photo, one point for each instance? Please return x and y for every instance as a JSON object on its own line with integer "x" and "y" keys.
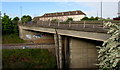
{"x": 119, "y": 9}
{"x": 21, "y": 10}
{"x": 21, "y": 13}
{"x": 101, "y": 9}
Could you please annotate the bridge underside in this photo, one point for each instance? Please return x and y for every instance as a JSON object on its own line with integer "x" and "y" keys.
{"x": 37, "y": 37}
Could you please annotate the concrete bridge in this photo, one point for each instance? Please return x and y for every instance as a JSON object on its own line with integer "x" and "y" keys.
{"x": 75, "y": 42}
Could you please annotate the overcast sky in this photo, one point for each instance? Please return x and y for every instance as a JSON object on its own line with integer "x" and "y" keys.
{"x": 110, "y": 9}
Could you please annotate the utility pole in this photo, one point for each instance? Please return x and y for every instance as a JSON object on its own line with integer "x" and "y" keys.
{"x": 21, "y": 10}
{"x": 21, "y": 13}
{"x": 119, "y": 9}
{"x": 101, "y": 9}
{"x": 97, "y": 13}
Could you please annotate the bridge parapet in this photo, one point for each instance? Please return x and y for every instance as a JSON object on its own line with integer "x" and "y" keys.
{"x": 89, "y": 26}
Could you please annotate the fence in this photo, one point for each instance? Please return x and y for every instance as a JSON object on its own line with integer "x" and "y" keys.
{"x": 94, "y": 26}
{"x": 69, "y": 24}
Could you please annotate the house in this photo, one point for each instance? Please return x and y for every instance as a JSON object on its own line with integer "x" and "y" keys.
{"x": 61, "y": 16}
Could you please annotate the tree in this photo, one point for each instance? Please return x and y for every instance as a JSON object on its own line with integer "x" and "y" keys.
{"x": 54, "y": 20}
{"x": 69, "y": 19}
{"x": 91, "y": 18}
{"x": 96, "y": 18}
{"x": 109, "y": 53}
{"x": 15, "y": 20}
{"x": 7, "y": 25}
{"x": 118, "y": 16}
{"x": 85, "y": 18}
{"x": 15, "y": 24}
{"x": 0, "y": 22}
{"x": 26, "y": 18}
{"x": 0, "y": 16}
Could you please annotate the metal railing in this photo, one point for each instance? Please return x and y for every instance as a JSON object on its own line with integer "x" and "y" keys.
{"x": 84, "y": 24}
{"x": 74, "y": 25}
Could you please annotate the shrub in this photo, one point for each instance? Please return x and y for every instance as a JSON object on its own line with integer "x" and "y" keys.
{"x": 109, "y": 53}
{"x": 54, "y": 20}
{"x": 69, "y": 19}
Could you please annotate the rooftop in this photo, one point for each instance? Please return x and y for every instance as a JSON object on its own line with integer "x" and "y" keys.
{"x": 67, "y": 13}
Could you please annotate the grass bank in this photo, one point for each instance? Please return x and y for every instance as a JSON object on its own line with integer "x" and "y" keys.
{"x": 11, "y": 39}
{"x": 27, "y": 58}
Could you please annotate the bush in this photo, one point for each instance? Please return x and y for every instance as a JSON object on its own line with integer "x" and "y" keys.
{"x": 85, "y": 18}
{"x": 64, "y": 22}
{"x": 109, "y": 53}
{"x": 91, "y": 18}
{"x": 54, "y": 20}
{"x": 69, "y": 19}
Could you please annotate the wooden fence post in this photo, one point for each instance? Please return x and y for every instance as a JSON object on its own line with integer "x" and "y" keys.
{"x": 93, "y": 26}
{"x": 69, "y": 23}
{"x": 49, "y": 23}
{"x": 103, "y": 24}
{"x": 41, "y": 23}
{"x": 84, "y": 25}
{"x": 58, "y": 23}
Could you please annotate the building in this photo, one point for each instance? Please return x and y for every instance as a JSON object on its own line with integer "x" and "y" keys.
{"x": 62, "y": 16}
{"x": 119, "y": 8}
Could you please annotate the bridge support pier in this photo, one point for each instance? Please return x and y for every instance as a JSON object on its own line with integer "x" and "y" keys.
{"x": 58, "y": 50}
{"x": 66, "y": 55}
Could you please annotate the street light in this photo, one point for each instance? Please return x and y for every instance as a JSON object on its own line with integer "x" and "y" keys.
{"x": 101, "y": 9}
{"x": 21, "y": 10}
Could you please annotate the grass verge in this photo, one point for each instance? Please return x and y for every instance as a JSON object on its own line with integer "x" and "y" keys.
{"x": 27, "y": 58}
{"x": 11, "y": 39}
